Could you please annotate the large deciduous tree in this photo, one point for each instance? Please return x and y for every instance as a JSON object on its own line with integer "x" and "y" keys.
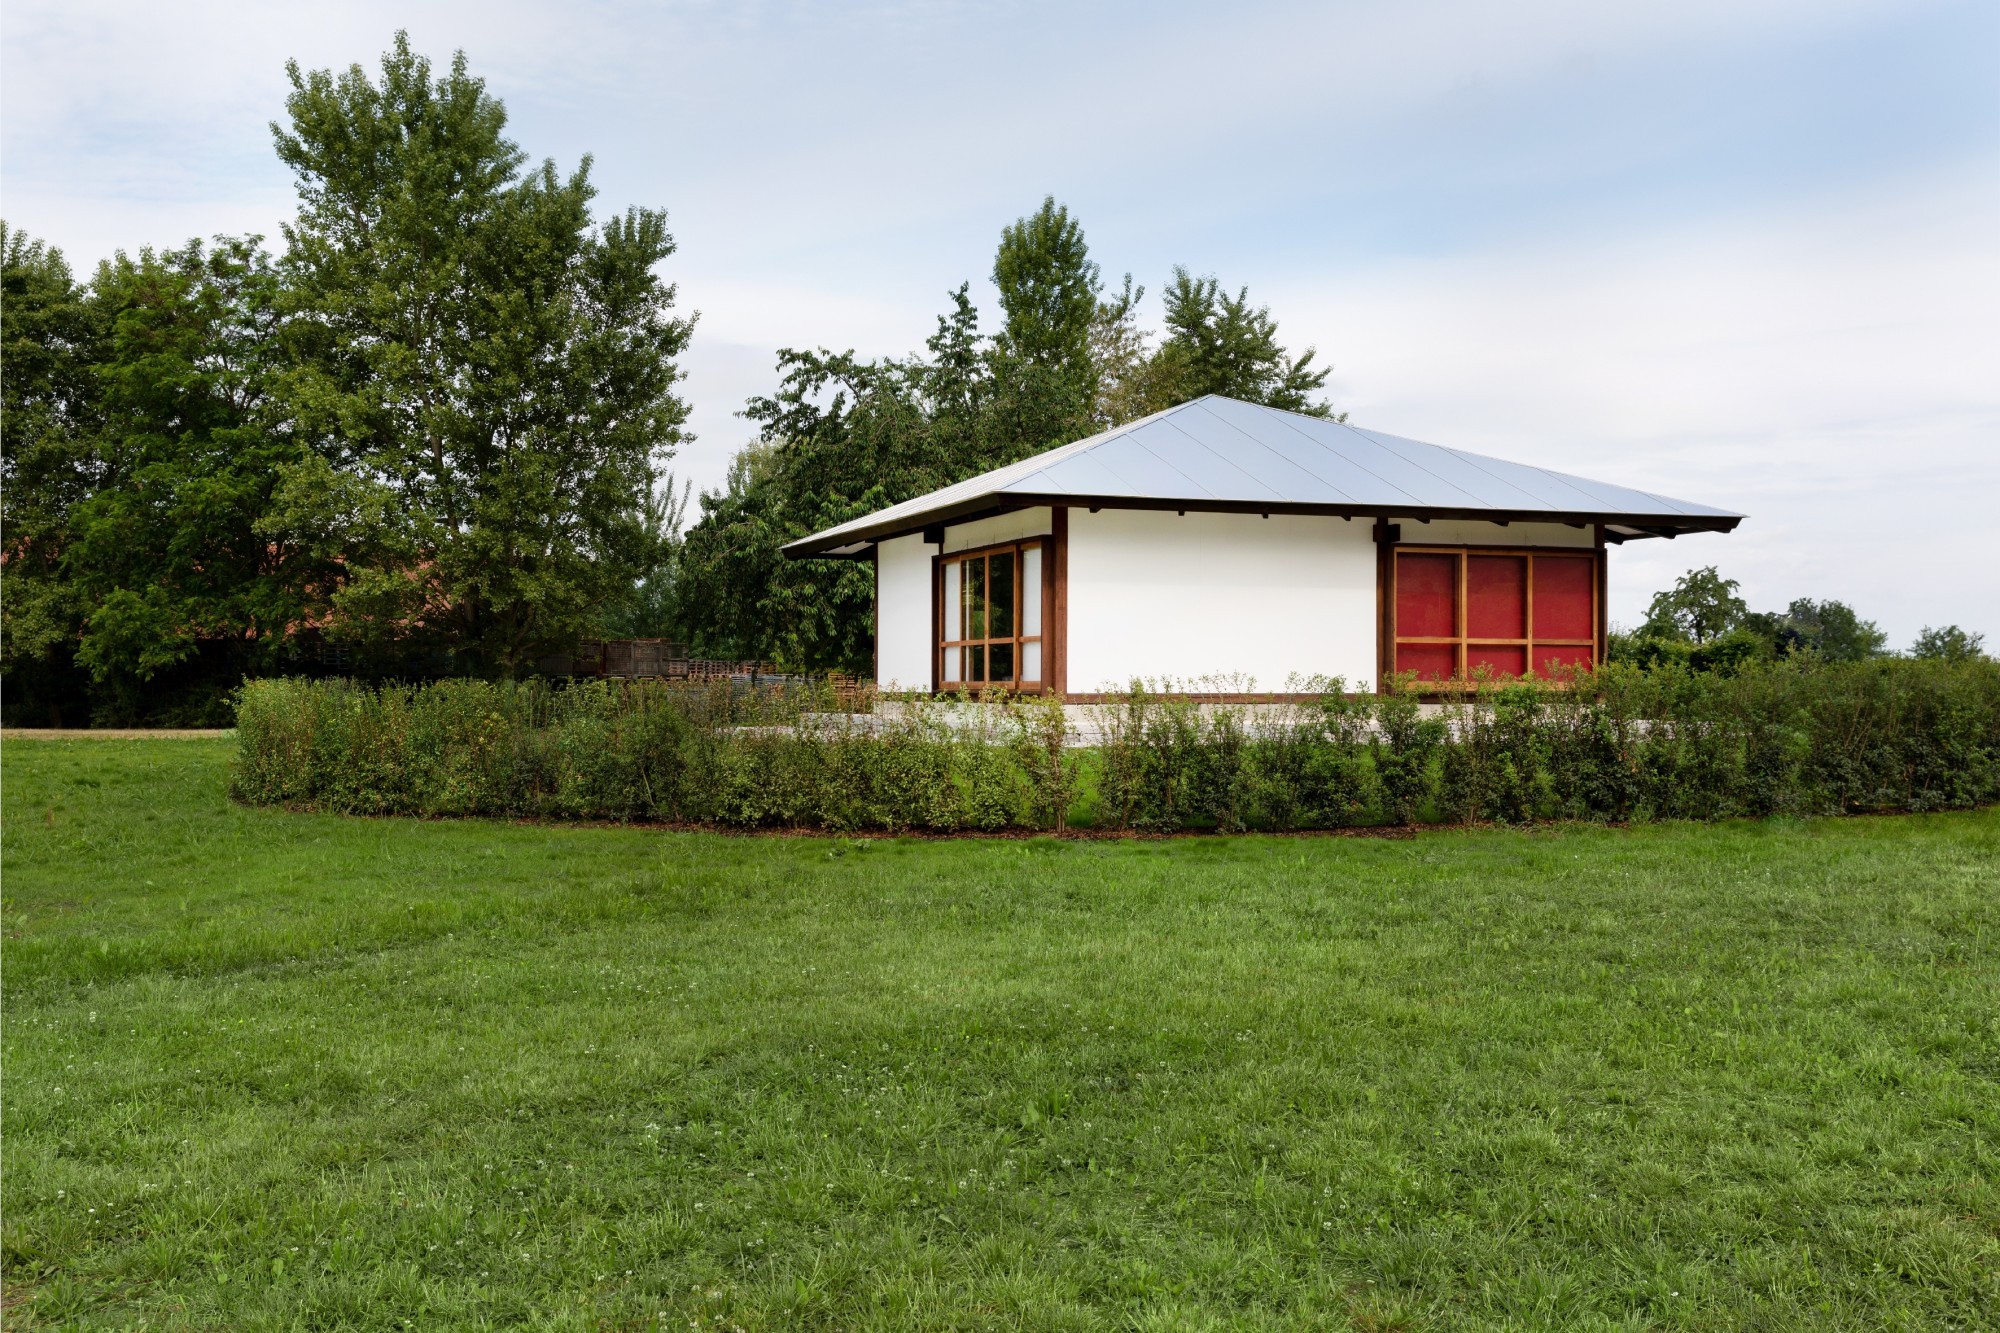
{"x": 1045, "y": 380}
{"x": 51, "y": 339}
{"x": 1948, "y": 643}
{"x": 142, "y": 461}
{"x": 842, "y": 437}
{"x": 170, "y": 554}
{"x": 1702, "y": 622}
{"x": 487, "y": 377}
{"x": 1831, "y": 629}
{"x": 1702, "y": 605}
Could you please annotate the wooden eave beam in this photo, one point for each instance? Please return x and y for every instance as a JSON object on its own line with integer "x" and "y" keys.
{"x": 1650, "y": 525}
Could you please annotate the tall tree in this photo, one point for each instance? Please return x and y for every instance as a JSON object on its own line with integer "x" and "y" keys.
{"x": 1702, "y": 605}
{"x": 1122, "y": 360}
{"x": 648, "y": 610}
{"x": 1948, "y": 643}
{"x": 1833, "y": 630}
{"x": 51, "y": 339}
{"x": 170, "y": 554}
{"x": 1216, "y": 343}
{"x": 840, "y": 438}
{"x": 1046, "y": 379}
{"x": 486, "y": 375}
{"x": 1221, "y": 344}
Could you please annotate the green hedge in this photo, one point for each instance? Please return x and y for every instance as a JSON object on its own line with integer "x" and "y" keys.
{"x": 1788, "y": 737}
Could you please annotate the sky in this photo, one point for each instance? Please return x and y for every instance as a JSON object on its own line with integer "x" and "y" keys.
{"x": 1742, "y": 252}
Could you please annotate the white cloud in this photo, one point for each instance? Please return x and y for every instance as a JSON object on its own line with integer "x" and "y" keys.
{"x": 1827, "y": 369}
{"x": 1549, "y": 230}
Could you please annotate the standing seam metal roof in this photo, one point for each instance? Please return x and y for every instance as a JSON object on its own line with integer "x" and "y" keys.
{"x": 1221, "y": 453}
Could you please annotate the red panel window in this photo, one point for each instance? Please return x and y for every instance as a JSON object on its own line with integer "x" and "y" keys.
{"x": 1426, "y": 596}
{"x": 1503, "y": 661}
{"x": 1431, "y": 661}
{"x": 1553, "y": 660}
{"x": 1496, "y": 597}
{"x": 1500, "y": 614}
{"x": 1565, "y": 598}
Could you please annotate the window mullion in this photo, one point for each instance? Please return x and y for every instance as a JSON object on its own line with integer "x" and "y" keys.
{"x": 1464, "y": 616}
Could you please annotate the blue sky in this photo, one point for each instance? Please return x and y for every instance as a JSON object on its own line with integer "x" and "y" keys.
{"x": 1746, "y": 253}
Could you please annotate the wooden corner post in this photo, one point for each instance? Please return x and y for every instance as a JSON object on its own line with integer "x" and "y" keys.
{"x": 1055, "y": 604}
{"x": 1603, "y": 598}
{"x": 1387, "y": 534}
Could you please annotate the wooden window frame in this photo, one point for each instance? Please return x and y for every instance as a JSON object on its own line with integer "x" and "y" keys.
{"x": 1463, "y": 642}
{"x": 1047, "y": 639}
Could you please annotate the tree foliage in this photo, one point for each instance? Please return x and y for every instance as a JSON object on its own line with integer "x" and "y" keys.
{"x": 1703, "y": 623}
{"x": 486, "y": 378}
{"x": 433, "y": 431}
{"x": 51, "y": 341}
{"x": 171, "y": 555}
{"x": 647, "y": 611}
{"x": 142, "y": 461}
{"x": 1831, "y": 629}
{"x": 1221, "y": 344}
{"x": 1702, "y": 605}
{"x": 1044, "y": 380}
{"x": 1948, "y": 643}
{"x": 841, "y": 436}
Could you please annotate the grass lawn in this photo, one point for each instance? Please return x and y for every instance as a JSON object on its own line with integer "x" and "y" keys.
{"x": 273, "y": 1071}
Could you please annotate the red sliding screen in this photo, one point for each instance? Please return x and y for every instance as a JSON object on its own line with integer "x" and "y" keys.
{"x": 1467, "y": 611}
{"x": 1427, "y": 595}
{"x": 1566, "y": 598}
{"x": 1496, "y": 596}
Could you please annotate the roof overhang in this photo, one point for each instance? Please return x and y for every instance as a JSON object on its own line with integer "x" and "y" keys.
{"x": 857, "y": 542}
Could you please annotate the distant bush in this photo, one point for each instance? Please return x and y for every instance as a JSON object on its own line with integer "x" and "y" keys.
{"x": 1795, "y": 736}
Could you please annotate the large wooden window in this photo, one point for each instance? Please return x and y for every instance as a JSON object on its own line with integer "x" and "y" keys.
{"x": 990, "y": 616}
{"x": 1513, "y": 613}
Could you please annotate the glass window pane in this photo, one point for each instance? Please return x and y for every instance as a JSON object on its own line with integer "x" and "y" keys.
{"x": 1000, "y": 597}
{"x": 975, "y": 665}
{"x": 1031, "y": 660}
{"x": 952, "y": 603}
{"x": 953, "y": 660}
{"x": 1000, "y": 662}
{"x": 1031, "y": 591}
{"x": 1496, "y": 597}
{"x": 975, "y": 599}
{"x": 1565, "y": 597}
{"x": 1426, "y": 596}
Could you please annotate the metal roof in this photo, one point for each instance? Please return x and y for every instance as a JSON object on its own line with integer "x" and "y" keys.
{"x": 1218, "y": 453}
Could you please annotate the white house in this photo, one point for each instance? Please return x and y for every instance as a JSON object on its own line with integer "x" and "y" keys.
{"x": 1223, "y": 539}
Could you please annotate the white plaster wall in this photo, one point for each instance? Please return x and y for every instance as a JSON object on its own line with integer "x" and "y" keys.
{"x": 1157, "y": 594}
{"x": 1455, "y": 532}
{"x": 1000, "y": 528}
{"x": 903, "y": 613}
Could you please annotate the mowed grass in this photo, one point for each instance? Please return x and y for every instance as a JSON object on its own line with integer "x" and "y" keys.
{"x": 274, "y": 1071}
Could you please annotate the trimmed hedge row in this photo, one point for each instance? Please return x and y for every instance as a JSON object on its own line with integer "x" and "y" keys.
{"x": 1620, "y": 744}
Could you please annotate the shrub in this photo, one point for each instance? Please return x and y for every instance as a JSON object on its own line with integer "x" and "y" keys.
{"x": 1042, "y": 747}
{"x": 1798, "y": 735}
{"x": 1403, "y": 747}
{"x": 1171, "y": 762}
{"x": 1308, "y": 763}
